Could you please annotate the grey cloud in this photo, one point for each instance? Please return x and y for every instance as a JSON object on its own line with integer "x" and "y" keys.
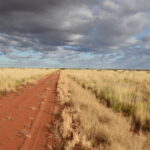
{"x": 100, "y": 27}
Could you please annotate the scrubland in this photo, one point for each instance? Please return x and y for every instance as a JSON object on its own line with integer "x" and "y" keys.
{"x": 123, "y": 91}
{"x": 86, "y": 123}
{"x": 10, "y": 79}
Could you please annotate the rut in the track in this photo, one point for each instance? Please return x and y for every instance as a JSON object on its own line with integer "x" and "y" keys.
{"x": 26, "y": 115}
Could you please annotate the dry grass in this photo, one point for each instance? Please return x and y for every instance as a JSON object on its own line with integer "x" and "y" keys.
{"x": 10, "y": 79}
{"x": 89, "y": 125}
{"x": 124, "y": 91}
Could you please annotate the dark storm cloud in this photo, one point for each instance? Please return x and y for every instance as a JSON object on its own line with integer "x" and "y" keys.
{"x": 31, "y": 5}
{"x": 97, "y": 26}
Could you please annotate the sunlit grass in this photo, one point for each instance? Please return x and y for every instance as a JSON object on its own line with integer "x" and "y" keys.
{"x": 90, "y": 125}
{"x": 123, "y": 91}
{"x": 10, "y": 79}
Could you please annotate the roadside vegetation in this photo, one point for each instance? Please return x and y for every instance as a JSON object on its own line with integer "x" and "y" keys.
{"x": 123, "y": 91}
{"x": 87, "y": 124}
{"x": 11, "y": 79}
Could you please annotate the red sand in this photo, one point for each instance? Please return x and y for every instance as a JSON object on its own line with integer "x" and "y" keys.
{"x": 26, "y": 115}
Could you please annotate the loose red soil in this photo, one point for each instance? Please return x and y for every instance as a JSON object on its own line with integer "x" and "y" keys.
{"x": 27, "y": 115}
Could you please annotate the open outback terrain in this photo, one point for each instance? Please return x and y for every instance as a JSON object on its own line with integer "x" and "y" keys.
{"x": 45, "y": 109}
{"x": 26, "y": 115}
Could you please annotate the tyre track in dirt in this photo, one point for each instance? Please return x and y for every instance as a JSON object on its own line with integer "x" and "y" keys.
{"x": 26, "y": 115}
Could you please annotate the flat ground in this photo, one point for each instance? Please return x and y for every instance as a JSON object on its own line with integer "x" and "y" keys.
{"x": 26, "y": 115}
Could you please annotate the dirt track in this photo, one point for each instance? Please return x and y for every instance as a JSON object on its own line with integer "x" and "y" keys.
{"x": 26, "y": 115}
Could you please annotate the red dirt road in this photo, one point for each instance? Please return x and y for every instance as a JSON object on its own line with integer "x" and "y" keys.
{"x": 26, "y": 116}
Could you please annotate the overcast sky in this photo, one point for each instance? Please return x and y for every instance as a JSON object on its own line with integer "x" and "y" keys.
{"x": 75, "y": 33}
